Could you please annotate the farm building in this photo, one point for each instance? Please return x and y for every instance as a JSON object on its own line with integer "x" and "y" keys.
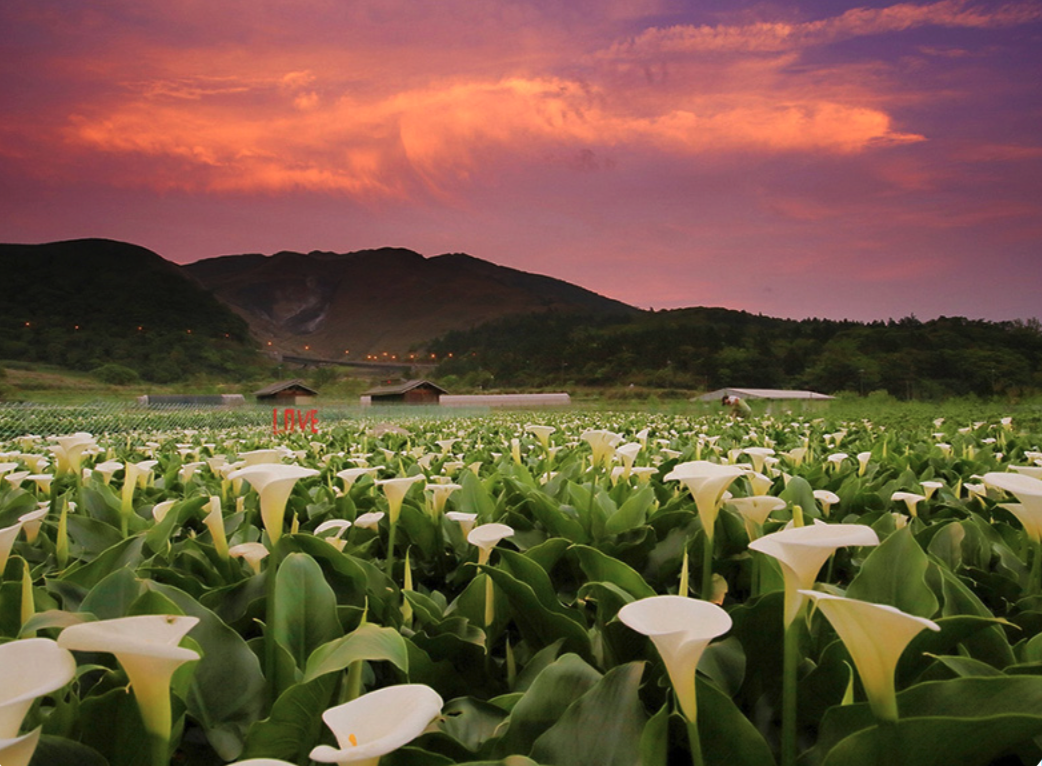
{"x": 286, "y": 392}
{"x": 761, "y": 393}
{"x": 409, "y": 392}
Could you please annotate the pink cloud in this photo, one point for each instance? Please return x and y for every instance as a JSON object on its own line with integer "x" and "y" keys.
{"x": 775, "y": 37}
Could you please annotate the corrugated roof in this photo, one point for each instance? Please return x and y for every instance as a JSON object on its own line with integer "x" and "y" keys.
{"x": 401, "y": 388}
{"x": 274, "y": 388}
{"x": 762, "y": 393}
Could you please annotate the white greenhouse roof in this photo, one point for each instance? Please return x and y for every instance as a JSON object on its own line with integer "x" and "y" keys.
{"x": 762, "y": 393}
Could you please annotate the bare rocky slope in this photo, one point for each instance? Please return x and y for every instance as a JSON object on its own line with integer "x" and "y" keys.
{"x": 389, "y": 300}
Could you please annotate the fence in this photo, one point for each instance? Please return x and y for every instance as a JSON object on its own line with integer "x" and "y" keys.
{"x": 19, "y": 419}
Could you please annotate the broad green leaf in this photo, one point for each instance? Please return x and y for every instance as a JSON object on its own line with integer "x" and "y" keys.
{"x": 295, "y": 724}
{"x": 546, "y": 700}
{"x": 90, "y": 537}
{"x": 728, "y": 737}
{"x": 601, "y": 728}
{"x": 227, "y": 689}
{"x": 113, "y": 596}
{"x": 632, "y": 513}
{"x": 471, "y": 722}
{"x": 124, "y": 554}
{"x": 654, "y": 740}
{"x": 58, "y": 751}
{"x": 599, "y": 567}
{"x": 946, "y": 544}
{"x": 959, "y": 721}
{"x": 894, "y": 573}
{"x": 367, "y": 642}
{"x": 474, "y": 498}
{"x": 966, "y": 666}
{"x": 540, "y": 625}
{"x": 305, "y": 608}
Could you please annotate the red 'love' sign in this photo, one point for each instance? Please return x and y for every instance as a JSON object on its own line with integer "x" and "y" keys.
{"x": 294, "y": 419}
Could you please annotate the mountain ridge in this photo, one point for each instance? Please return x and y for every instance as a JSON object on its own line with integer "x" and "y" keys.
{"x": 378, "y": 302}
{"x": 383, "y": 301}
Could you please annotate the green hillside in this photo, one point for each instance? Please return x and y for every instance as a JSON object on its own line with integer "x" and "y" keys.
{"x": 708, "y": 348}
{"x": 90, "y": 304}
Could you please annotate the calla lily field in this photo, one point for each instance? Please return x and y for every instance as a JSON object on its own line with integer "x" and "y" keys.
{"x": 542, "y": 588}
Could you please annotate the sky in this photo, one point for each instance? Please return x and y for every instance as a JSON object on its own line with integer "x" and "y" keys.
{"x": 800, "y": 158}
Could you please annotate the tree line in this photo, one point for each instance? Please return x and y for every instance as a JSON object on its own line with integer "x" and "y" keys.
{"x": 701, "y": 349}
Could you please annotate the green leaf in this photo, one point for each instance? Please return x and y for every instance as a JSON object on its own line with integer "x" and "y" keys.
{"x": 113, "y": 596}
{"x": 90, "y": 536}
{"x": 654, "y": 740}
{"x": 305, "y": 608}
{"x": 58, "y": 751}
{"x": 227, "y": 689}
{"x": 471, "y": 722}
{"x": 959, "y": 721}
{"x": 474, "y": 498}
{"x": 724, "y": 663}
{"x": 966, "y": 667}
{"x": 728, "y": 737}
{"x": 600, "y": 567}
{"x": 367, "y": 642}
{"x": 895, "y": 573}
{"x": 546, "y": 700}
{"x": 946, "y": 545}
{"x": 295, "y": 724}
{"x": 539, "y": 624}
{"x": 601, "y": 728}
{"x": 632, "y": 513}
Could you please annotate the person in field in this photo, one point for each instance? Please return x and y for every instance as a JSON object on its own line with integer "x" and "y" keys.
{"x": 739, "y": 409}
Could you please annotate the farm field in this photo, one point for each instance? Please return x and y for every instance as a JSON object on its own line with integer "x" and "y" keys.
{"x": 855, "y": 584}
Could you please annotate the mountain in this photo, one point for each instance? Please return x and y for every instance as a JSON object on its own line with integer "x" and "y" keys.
{"x": 86, "y": 303}
{"x": 375, "y": 301}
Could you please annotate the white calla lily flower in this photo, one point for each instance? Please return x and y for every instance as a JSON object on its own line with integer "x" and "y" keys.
{"x": 18, "y": 751}
{"x": 274, "y": 483}
{"x": 1028, "y": 490}
{"x": 30, "y": 668}
{"x": 146, "y": 646}
{"x": 378, "y": 723}
{"x": 485, "y": 538}
{"x": 875, "y": 635}
{"x": 395, "y": 490}
{"x": 802, "y": 551}
{"x": 252, "y": 553}
{"x": 707, "y": 482}
{"x": 681, "y": 629}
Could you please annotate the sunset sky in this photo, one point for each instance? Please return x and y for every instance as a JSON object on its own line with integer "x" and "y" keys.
{"x": 793, "y": 158}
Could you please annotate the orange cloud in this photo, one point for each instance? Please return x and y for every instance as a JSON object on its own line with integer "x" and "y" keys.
{"x": 224, "y": 134}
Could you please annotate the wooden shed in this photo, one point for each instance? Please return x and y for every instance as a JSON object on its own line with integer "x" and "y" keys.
{"x": 409, "y": 392}
{"x": 286, "y": 392}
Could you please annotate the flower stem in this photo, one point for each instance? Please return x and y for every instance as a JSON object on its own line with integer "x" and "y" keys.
{"x": 707, "y": 570}
{"x": 694, "y": 743}
{"x": 159, "y": 748}
{"x": 790, "y": 663}
{"x": 389, "y": 561}
{"x": 1036, "y": 569}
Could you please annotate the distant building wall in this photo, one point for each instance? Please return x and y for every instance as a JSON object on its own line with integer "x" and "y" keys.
{"x": 505, "y": 400}
{"x": 198, "y": 400}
